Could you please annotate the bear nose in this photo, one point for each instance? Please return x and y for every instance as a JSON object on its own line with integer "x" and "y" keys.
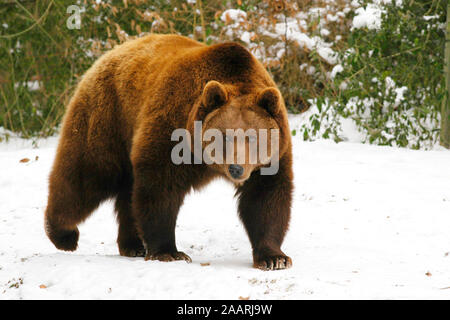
{"x": 235, "y": 170}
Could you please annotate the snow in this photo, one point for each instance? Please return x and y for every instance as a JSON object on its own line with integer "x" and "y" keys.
{"x": 399, "y": 91}
{"x": 295, "y": 28}
{"x": 31, "y": 85}
{"x": 369, "y": 17}
{"x": 233, "y": 15}
{"x": 336, "y": 69}
{"x": 426, "y": 18}
{"x": 367, "y": 222}
{"x": 292, "y": 29}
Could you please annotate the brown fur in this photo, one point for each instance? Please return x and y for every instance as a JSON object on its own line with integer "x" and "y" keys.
{"x": 115, "y": 143}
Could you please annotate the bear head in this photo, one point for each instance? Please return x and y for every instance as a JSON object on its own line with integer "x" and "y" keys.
{"x": 241, "y": 133}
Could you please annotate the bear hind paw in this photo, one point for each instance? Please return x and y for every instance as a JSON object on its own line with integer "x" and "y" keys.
{"x": 66, "y": 240}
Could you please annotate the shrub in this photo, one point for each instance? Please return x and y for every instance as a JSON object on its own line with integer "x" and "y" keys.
{"x": 42, "y": 59}
{"x": 369, "y": 71}
{"x": 391, "y": 85}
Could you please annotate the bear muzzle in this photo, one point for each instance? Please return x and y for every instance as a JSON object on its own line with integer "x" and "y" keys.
{"x": 235, "y": 171}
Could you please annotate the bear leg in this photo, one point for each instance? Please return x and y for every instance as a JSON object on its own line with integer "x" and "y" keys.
{"x": 264, "y": 208}
{"x": 128, "y": 240}
{"x": 60, "y": 220}
{"x": 70, "y": 202}
{"x": 155, "y": 207}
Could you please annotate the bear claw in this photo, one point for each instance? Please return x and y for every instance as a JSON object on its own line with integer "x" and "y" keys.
{"x": 166, "y": 257}
{"x": 140, "y": 252}
{"x": 273, "y": 263}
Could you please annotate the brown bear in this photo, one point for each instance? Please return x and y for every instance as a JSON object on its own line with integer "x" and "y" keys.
{"x": 116, "y": 143}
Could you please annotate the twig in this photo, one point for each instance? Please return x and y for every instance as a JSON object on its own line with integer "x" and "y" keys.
{"x": 37, "y": 22}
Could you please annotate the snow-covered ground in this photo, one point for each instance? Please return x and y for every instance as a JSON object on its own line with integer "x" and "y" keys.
{"x": 367, "y": 222}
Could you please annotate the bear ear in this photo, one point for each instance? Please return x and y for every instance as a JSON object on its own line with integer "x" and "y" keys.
{"x": 270, "y": 100}
{"x": 214, "y": 96}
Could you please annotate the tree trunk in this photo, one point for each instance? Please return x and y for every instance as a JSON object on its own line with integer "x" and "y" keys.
{"x": 445, "y": 113}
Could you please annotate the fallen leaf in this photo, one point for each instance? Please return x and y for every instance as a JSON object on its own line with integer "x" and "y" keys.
{"x": 24, "y": 160}
{"x": 205, "y": 264}
{"x": 43, "y": 286}
{"x": 36, "y": 158}
{"x": 243, "y": 298}
{"x": 428, "y": 274}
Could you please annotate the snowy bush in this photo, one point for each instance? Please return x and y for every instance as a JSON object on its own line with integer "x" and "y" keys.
{"x": 391, "y": 85}
{"x": 366, "y": 71}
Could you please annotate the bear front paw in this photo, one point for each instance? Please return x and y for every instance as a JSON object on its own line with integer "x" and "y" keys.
{"x": 132, "y": 252}
{"x": 166, "y": 257}
{"x": 273, "y": 262}
{"x": 131, "y": 247}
